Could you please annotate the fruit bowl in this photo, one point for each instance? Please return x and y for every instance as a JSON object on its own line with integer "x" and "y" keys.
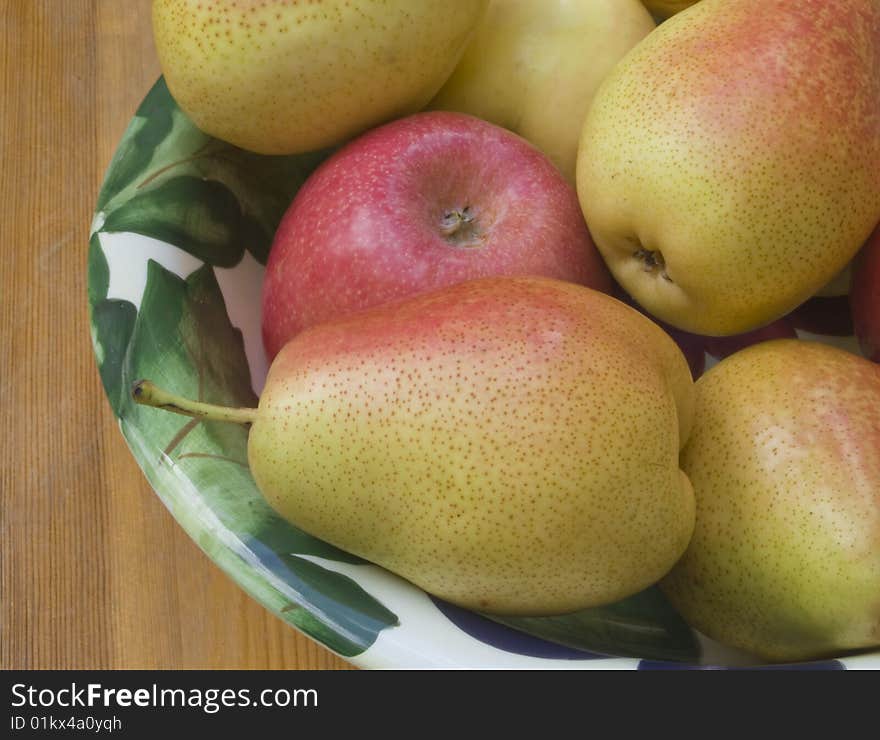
{"x": 178, "y": 245}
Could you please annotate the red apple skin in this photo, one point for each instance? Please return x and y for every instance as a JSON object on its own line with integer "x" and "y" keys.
{"x": 864, "y": 296}
{"x": 371, "y": 225}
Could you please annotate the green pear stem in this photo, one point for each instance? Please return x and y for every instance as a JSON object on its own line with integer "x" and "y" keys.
{"x": 149, "y": 394}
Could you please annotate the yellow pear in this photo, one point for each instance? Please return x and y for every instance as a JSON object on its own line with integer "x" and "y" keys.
{"x": 784, "y": 457}
{"x": 533, "y": 67}
{"x": 507, "y": 444}
{"x": 277, "y": 77}
{"x": 729, "y": 167}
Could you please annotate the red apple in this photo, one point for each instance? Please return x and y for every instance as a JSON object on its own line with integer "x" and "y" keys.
{"x": 418, "y": 204}
{"x": 864, "y": 297}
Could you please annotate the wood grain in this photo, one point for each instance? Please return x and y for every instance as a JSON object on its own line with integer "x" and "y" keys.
{"x": 95, "y": 573}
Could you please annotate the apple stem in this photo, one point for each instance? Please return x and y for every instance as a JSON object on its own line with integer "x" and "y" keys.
{"x": 458, "y": 223}
{"x": 149, "y": 394}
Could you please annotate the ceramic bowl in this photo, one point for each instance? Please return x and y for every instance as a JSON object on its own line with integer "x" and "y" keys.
{"x": 179, "y": 241}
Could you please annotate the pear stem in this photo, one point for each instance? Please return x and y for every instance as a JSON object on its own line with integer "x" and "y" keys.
{"x": 149, "y": 394}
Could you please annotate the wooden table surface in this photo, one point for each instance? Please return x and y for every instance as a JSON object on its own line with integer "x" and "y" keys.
{"x": 95, "y": 573}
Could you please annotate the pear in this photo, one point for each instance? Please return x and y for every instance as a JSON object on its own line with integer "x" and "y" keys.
{"x": 533, "y": 66}
{"x": 277, "y": 77}
{"x": 508, "y": 444}
{"x": 729, "y": 166}
{"x": 784, "y": 458}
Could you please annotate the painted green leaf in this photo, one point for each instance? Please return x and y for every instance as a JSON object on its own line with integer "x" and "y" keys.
{"x": 112, "y": 325}
{"x": 355, "y": 615}
{"x": 263, "y": 185}
{"x": 279, "y": 536}
{"x": 151, "y": 124}
{"x": 164, "y": 160}
{"x": 183, "y": 340}
{"x": 642, "y": 626}
{"x": 202, "y": 217}
{"x": 98, "y": 271}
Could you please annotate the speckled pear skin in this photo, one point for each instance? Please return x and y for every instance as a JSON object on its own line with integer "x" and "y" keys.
{"x": 740, "y": 141}
{"x": 784, "y": 458}
{"x": 293, "y": 76}
{"x": 508, "y": 444}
